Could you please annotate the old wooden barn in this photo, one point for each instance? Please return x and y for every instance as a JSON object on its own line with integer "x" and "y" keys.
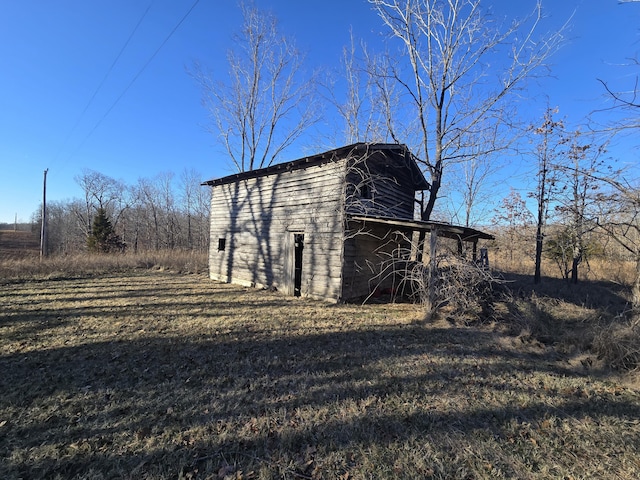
{"x": 319, "y": 226}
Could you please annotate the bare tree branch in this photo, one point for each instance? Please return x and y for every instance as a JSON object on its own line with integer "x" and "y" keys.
{"x": 266, "y": 105}
{"x": 451, "y": 92}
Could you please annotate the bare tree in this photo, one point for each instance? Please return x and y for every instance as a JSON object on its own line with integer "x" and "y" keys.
{"x": 551, "y": 138}
{"x": 450, "y": 81}
{"x": 358, "y": 103}
{"x": 164, "y": 183}
{"x": 621, "y": 205}
{"x": 189, "y": 186}
{"x": 352, "y": 110}
{"x": 516, "y": 217}
{"x": 577, "y": 208}
{"x": 626, "y": 102}
{"x": 266, "y": 104}
{"x": 470, "y": 180}
{"x": 100, "y": 192}
{"x": 63, "y": 236}
{"x": 620, "y": 219}
{"x": 202, "y": 206}
{"x": 149, "y": 217}
{"x": 153, "y": 214}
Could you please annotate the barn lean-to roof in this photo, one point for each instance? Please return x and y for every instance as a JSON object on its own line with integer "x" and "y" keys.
{"x": 356, "y": 149}
{"x": 448, "y": 230}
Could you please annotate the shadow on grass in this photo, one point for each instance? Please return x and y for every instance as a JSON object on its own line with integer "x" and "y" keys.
{"x": 101, "y": 394}
{"x": 587, "y": 293}
{"x": 262, "y": 394}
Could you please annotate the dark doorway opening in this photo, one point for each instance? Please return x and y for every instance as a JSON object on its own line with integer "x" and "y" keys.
{"x": 298, "y": 239}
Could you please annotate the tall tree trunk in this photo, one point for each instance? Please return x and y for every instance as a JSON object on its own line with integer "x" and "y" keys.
{"x": 434, "y": 188}
{"x": 577, "y": 259}
{"x": 539, "y": 239}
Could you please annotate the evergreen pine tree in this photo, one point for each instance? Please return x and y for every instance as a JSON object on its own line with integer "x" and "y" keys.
{"x": 103, "y": 238}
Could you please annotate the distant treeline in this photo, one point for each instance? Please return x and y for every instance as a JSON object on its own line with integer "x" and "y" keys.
{"x": 19, "y": 227}
{"x": 160, "y": 213}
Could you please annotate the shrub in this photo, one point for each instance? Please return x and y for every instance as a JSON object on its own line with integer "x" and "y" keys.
{"x": 618, "y": 344}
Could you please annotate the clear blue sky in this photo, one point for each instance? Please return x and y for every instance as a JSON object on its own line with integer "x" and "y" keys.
{"x": 53, "y": 56}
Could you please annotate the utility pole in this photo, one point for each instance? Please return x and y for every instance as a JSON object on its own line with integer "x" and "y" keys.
{"x": 43, "y": 223}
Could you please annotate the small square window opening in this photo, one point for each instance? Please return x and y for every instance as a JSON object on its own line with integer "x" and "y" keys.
{"x": 222, "y": 243}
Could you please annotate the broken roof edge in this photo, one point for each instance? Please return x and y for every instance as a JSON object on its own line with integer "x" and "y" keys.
{"x": 466, "y": 234}
{"x": 326, "y": 157}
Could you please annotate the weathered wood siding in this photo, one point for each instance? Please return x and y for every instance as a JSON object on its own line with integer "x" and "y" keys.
{"x": 257, "y": 220}
{"x": 257, "y": 217}
{"x": 381, "y": 185}
{"x": 368, "y": 251}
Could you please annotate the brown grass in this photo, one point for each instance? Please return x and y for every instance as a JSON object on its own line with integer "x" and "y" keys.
{"x": 596, "y": 269}
{"x": 155, "y": 375}
{"x": 593, "y": 318}
{"x": 85, "y": 264}
{"x": 19, "y": 244}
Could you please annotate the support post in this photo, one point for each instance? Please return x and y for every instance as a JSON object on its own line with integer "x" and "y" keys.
{"x": 433, "y": 268}
{"x": 43, "y": 222}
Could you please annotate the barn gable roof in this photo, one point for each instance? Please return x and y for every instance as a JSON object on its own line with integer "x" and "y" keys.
{"x": 398, "y": 150}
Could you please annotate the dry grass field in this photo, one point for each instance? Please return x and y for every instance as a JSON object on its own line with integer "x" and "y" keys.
{"x": 19, "y": 244}
{"x": 157, "y": 375}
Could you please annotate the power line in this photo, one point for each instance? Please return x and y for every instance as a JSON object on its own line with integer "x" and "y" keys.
{"x": 104, "y": 79}
{"x": 135, "y": 77}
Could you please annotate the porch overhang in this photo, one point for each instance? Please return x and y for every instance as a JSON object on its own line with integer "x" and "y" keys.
{"x": 447, "y": 230}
